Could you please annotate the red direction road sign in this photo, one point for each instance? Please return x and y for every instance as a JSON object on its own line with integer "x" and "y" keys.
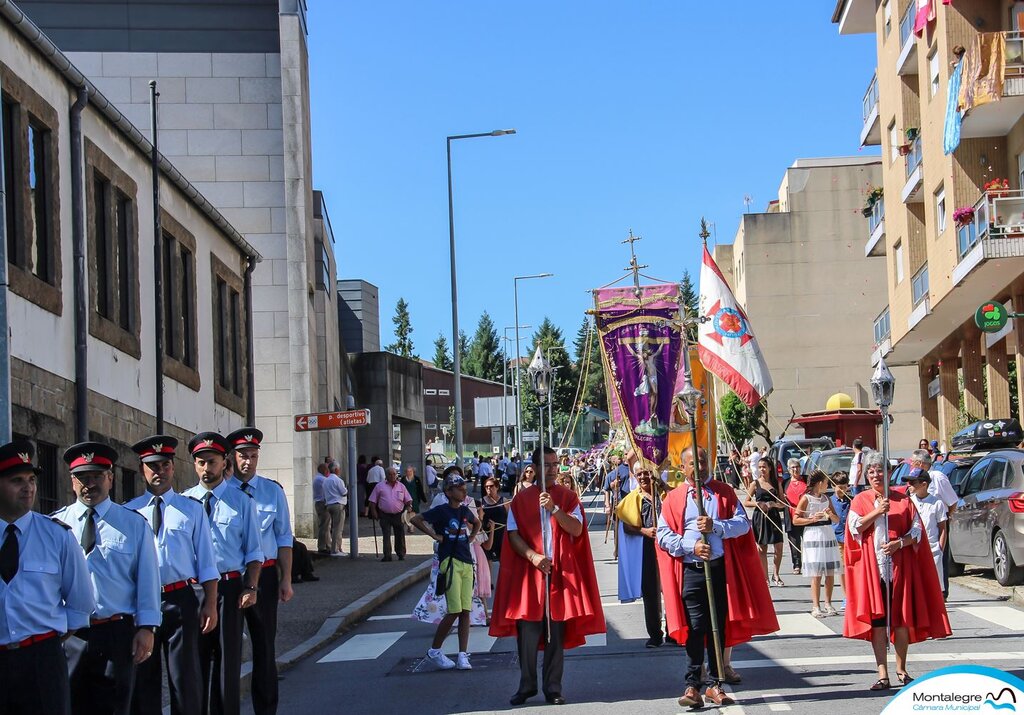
{"x": 332, "y": 420}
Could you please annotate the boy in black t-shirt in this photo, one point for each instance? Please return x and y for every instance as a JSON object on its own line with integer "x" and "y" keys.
{"x": 446, "y": 524}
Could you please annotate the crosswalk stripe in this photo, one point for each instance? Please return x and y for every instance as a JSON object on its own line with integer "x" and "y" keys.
{"x": 776, "y": 703}
{"x": 479, "y": 642}
{"x": 1003, "y": 616}
{"x": 366, "y": 646}
{"x": 802, "y": 624}
{"x": 736, "y": 709}
{"x": 858, "y": 659}
{"x": 394, "y": 617}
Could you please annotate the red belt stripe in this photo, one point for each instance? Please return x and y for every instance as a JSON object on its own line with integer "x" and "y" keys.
{"x": 31, "y": 640}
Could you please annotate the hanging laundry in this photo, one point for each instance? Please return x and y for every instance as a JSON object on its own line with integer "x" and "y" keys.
{"x": 954, "y": 118}
{"x": 926, "y": 14}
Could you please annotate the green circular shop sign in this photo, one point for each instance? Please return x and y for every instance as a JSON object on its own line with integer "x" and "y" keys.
{"x": 991, "y": 317}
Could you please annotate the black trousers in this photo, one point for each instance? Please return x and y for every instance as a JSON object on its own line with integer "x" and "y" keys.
{"x": 261, "y": 620}
{"x": 529, "y": 635}
{"x": 177, "y": 641}
{"x": 796, "y": 535}
{"x": 392, "y": 524}
{"x": 220, "y": 654}
{"x": 34, "y": 680}
{"x": 101, "y": 669}
{"x": 700, "y": 637}
{"x": 650, "y": 586}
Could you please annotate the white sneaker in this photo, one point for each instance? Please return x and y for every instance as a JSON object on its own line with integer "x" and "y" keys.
{"x": 439, "y": 659}
{"x": 464, "y": 663}
{"x": 339, "y": 553}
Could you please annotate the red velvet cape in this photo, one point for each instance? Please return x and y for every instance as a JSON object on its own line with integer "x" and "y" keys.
{"x": 916, "y": 592}
{"x": 575, "y": 597}
{"x": 751, "y": 611}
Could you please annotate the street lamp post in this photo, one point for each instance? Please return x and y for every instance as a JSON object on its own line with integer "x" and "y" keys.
{"x": 504, "y": 387}
{"x": 519, "y": 403}
{"x": 883, "y": 386}
{"x": 457, "y": 360}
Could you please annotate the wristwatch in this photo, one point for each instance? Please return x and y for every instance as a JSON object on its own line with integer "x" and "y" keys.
{"x": 151, "y": 629}
{"x": 250, "y": 588}
{"x": 556, "y": 510}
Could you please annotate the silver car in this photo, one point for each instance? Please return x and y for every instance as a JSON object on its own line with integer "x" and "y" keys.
{"x": 987, "y": 529}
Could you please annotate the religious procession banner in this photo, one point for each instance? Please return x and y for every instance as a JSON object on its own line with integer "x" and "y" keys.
{"x": 642, "y": 353}
{"x": 680, "y": 438}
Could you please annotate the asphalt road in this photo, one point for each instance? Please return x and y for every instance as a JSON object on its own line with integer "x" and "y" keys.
{"x": 807, "y": 667}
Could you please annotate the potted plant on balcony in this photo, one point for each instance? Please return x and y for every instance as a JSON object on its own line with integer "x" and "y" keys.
{"x": 903, "y": 149}
{"x": 997, "y": 188}
{"x": 873, "y": 196}
{"x": 912, "y": 134}
{"x": 963, "y": 216}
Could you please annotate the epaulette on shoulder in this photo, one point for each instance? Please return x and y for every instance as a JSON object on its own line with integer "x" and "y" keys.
{"x": 57, "y": 521}
{"x": 274, "y": 481}
{"x": 197, "y": 501}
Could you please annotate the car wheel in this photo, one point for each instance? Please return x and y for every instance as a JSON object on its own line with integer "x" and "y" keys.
{"x": 1007, "y": 572}
{"x": 955, "y": 569}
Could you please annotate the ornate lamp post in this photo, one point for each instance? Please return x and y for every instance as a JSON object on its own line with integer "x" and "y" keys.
{"x": 883, "y": 385}
{"x": 541, "y": 375}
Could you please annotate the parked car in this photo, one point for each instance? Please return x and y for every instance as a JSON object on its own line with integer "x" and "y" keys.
{"x": 792, "y": 447}
{"x": 830, "y": 461}
{"x": 987, "y": 528}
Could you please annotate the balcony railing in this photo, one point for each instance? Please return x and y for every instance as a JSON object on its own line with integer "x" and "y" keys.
{"x": 870, "y": 103}
{"x": 914, "y": 157}
{"x": 997, "y": 214}
{"x": 871, "y": 132}
{"x": 877, "y": 216}
{"x": 907, "y": 25}
{"x": 1003, "y": 107}
{"x": 906, "y": 64}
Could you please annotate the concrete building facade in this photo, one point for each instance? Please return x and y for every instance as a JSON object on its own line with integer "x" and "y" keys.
{"x": 234, "y": 116}
{"x": 800, "y": 273}
{"x": 79, "y": 233}
{"x": 939, "y": 270}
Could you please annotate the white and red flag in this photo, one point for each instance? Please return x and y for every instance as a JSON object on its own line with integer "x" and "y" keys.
{"x": 725, "y": 342}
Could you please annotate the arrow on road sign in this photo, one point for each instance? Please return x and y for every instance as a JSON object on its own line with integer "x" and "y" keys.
{"x": 332, "y": 420}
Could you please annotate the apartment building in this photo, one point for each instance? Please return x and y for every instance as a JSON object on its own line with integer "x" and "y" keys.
{"x": 951, "y": 240}
{"x": 800, "y": 273}
{"x": 78, "y": 227}
{"x": 234, "y": 116}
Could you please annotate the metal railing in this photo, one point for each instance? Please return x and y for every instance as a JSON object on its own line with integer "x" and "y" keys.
{"x": 997, "y": 214}
{"x": 870, "y": 101}
{"x": 882, "y": 327}
{"x": 919, "y": 285}
{"x": 907, "y": 25}
{"x": 877, "y": 216}
{"x": 914, "y": 157}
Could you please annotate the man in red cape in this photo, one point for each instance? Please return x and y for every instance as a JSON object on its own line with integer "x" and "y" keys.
{"x": 743, "y": 603}
{"x": 575, "y": 600}
{"x": 918, "y": 610}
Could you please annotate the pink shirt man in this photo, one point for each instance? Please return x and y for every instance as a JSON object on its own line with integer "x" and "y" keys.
{"x": 390, "y": 498}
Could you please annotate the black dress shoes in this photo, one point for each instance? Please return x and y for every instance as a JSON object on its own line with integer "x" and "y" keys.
{"x": 520, "y": 698}
{"x": 555, "y": 699}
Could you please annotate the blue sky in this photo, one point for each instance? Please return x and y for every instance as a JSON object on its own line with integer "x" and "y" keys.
{"x": 641, "y": 115}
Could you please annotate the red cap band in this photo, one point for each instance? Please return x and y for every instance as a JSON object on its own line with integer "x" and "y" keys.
{"x": 16, "y": 461}
{"x": 101, "y": 463}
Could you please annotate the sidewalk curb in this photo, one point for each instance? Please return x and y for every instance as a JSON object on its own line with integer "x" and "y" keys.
{"x": 991, "y": 588}
{"x": 336, "y": 623}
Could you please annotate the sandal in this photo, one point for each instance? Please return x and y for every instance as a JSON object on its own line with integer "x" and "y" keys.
{"x": 904, "y": 678}
{"x": 778, "y": 581}
{"x": 881, "y": 684}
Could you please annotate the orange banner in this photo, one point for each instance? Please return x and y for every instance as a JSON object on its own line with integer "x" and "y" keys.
{"x": 680, "y": 438}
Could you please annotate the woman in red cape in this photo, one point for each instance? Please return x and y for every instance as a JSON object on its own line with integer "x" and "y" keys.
{"x": 575, "y": 600}
{"x": 918, "y": 611}
{"x": 751, "y": 612}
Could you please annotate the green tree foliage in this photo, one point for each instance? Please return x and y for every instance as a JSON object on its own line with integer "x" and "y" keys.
{"x": 741, "y": 422}
{"x": 484, "y": 357}
{"x": 549, "y": 338}
{"x": 594, "y": 389}
{"x": 463, "y": 348}
{"x": 442, "y": 355}
{"x": 691, "y": 299}
{"x": 403, "y": 331}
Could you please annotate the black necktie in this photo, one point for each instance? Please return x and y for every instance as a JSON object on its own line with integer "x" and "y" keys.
{"x": 158, "y": 515}
{"x": 89, "y": 532}
{"x": 208, "y": 503}
{"x": 246, "y": 487}
{"x": 9, "y": 554}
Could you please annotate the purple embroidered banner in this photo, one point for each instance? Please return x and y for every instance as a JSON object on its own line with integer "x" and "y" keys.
{"x": 642, "y": 351}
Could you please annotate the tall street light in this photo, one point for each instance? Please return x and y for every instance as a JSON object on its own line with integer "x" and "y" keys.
{"x": 519, "y": 403}
{"x": 504, "y": 390}
{"x": 457, "y": 359}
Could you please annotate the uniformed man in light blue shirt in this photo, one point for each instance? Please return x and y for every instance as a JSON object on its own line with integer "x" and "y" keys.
{"x": 276, "y": 577}
{"x": 44, "y": 592}
{"x": 185, "y": 553}
{"x": 236, "y": 546}
{"x": 121, "y": 555}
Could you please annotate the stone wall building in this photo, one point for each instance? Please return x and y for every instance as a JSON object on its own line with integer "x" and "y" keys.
{"x": 234, "y": 116}
{"x": 79, "y": 235}
{"x": 800, "y": 273}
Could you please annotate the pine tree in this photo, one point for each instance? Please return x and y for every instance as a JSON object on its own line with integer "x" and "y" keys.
{"x": 594, "y": 393}
{"x": 403, "y": 330}
{"x": 463, "y": 347}
{"x": 691, "y": 299}
{"x": 484, "y": 357}
{"x": 442, "y": 355}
